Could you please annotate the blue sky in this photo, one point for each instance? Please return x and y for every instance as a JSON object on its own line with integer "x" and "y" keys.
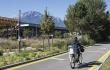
{"x": 57, "y": 8}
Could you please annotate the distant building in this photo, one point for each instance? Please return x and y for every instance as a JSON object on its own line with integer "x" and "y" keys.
{"x": 9, "y": 25}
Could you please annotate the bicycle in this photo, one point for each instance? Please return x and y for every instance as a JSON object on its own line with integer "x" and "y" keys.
{"x": 74, "y": 60}
{"x": 73, "y": 56}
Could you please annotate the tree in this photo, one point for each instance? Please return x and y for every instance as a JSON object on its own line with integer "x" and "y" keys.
{"x": 96, "y": 18}
{"x": 47, "y": 25}
{"x": 88, "y": 17}
{"x": 74, "y": 17}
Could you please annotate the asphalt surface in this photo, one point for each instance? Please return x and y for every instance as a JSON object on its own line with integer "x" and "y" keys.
{"x": 90, "y": 57}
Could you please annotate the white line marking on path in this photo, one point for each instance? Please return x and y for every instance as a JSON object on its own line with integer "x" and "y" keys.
{"x": 95, "y": 51}
{"x": 58, "y": 59}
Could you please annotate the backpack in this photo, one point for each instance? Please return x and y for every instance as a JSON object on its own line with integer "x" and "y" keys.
{"x": 82, "y": 49}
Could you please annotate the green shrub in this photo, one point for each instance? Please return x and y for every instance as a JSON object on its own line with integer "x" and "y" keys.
{"x": 86, "y": 40}
{"x": 37, "y": 46}
{"x": 25, "y": 44}
{"x": 32, "y": 55}
{"x": 58, "y": 46}
{"x": 40, "y": 54}
{"x": 61, "y": 45}
{"x": 15, "y": 58}
{"x": 58, "y": 34}
{"x": 14, "y": 38}
{"x": 2, "y": 63}
{"x": 55, "y": 50}
{"x": 66, "y": 35}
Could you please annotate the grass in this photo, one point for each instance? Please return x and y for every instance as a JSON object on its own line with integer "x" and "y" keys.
{"x": 59, "y": 45}
{"x": 27, "y": 55}
{"x": 106, "y": 65}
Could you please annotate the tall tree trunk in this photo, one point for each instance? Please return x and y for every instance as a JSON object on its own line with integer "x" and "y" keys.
{"x": 52, "y": 40}
{"x": 43, "y": 43}
{"x": 48, "y": 42}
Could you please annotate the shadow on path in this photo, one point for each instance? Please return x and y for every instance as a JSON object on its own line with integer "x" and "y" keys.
{"x": 89, "y": 64}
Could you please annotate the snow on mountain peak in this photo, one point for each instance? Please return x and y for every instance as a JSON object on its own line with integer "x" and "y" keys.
{"x": 34, "y": 17}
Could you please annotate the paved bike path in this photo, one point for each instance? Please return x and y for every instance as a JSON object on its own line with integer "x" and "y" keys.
{"x": 90, "y": 57}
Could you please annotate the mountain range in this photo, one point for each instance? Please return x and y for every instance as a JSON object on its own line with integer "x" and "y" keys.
{"x": 34, "y": 17}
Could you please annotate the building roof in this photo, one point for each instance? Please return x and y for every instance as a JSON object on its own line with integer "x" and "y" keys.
{"x": 4, "y": 21}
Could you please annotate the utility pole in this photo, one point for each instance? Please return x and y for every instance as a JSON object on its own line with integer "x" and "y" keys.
{"x": 19, "y": 37}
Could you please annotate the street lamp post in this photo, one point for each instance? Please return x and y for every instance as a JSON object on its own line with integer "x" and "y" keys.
{"x": 19, "y": 37}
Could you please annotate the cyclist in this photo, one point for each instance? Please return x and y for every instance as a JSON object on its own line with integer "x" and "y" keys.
{"x": 75, "y": 47}
{"x": 78, "y": 47}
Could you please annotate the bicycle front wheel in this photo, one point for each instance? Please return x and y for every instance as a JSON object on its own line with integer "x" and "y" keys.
{"x": 72, "y": 62}
{"x": 80, "y": 58}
